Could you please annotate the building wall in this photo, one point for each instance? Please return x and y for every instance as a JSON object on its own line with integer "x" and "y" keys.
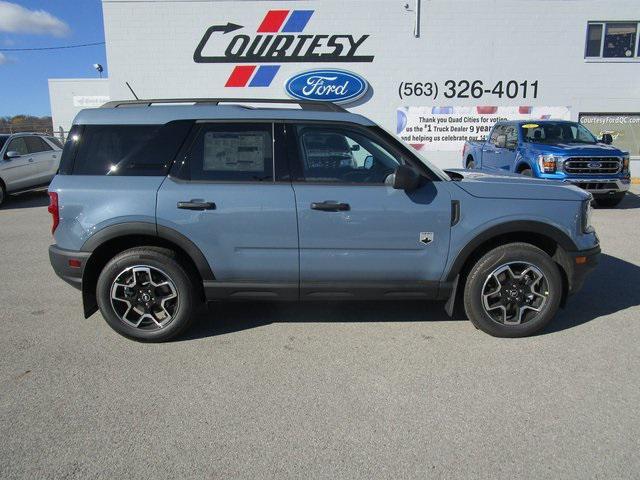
{"x": 70, "y": 95}
{"x": 151, "y": 44}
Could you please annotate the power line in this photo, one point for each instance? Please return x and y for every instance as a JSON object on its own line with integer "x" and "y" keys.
{"x": 51, "y": 48}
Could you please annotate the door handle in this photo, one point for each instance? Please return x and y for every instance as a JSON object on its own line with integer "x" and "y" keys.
{"x": 330, "y": 206}
{"x": 31, "y": 159}
{"x": 196, "y": 205}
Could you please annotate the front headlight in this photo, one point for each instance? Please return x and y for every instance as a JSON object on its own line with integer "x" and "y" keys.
{"x": 547, "y": 163}
{"x": 625, "y": 163}
{"x": 587, "y": 212}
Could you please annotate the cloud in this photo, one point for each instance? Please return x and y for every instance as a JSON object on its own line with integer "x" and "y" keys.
{"x": 17, "y": 19}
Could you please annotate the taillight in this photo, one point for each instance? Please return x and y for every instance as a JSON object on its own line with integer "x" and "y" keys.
{"x": 54, "y": 210}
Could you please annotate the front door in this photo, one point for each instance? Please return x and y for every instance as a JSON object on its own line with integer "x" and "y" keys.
{"x": 223, "y": 195}
{"x": 359, "y": 236}
{"x": 18, "y": 172}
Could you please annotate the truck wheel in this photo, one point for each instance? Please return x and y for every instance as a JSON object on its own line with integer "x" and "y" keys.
{"x": 144, "y": 293}
{"x": 3, "y": 193}
{"x": 610, "y": 201}
{"x": 526, "y": 172}
{"x": 513, "y": 291}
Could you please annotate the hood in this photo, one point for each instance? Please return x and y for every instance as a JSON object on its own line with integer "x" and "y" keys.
{"x": 576, "y": 149}
{"x": 508, "y": 186}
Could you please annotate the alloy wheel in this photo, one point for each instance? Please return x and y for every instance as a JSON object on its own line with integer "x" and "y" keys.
{"x": 144, "y": 297}
{"x": 514, "y": 293}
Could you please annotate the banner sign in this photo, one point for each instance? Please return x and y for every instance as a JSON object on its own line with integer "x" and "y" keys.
{"x": 447, "y": 128}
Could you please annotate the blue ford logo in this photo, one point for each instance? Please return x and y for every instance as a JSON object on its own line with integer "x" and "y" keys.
{"x": 329, "y": 85}
{"x": 595, "y": 165}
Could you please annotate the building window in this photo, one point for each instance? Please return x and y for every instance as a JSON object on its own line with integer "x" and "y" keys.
{"x": 612, "y": 40}
{"x": 623, "y": 127}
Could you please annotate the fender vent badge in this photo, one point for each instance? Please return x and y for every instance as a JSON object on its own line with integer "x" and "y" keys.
{"x": 426, "y": 237}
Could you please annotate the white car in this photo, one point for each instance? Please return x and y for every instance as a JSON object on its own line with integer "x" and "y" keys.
{"x": 28, "y": 161}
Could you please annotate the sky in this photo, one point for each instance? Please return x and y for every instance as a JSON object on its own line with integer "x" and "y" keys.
{"x": 46, "y": 23}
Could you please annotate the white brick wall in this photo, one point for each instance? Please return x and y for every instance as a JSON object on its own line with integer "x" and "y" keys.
{"x": 151, "y": 43}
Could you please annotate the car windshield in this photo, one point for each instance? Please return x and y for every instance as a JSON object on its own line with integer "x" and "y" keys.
{"x": 556, "y": 132}
{"x": 3, "y": 139}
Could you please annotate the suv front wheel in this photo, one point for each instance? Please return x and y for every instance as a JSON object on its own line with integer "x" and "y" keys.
{"x": 513, "y": 291}
{"x": 145, "y": 293}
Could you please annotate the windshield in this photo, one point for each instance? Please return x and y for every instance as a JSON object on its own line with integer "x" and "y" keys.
{"x": 436, "y": 170}
{"x": 3, "y": 139}
{"x": 556, "y": 132}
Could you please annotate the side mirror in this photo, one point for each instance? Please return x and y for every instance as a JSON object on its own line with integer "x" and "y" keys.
{"x": 12, "y": 154}
{"x": 501, "y": 141}
{"x": 607, "y": 138}
{"x": 404, "y": 178}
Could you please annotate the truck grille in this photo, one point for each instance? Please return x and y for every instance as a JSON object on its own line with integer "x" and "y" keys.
{"x": 592, "y": 165}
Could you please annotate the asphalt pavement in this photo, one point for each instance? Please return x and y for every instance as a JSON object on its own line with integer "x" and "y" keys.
{"x": 346, "y": 390}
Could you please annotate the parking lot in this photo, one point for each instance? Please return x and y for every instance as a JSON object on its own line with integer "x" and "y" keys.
{"x": 357, "y": 390}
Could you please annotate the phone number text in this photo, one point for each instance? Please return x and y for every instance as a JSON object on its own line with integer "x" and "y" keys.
{"x": 469, "y": 89}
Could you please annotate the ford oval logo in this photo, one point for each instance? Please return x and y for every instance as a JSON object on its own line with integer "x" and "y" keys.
{"x": 595, "y": 165}
{"x": 336, "y": 86}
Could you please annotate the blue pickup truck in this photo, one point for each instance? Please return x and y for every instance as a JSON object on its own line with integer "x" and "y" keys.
{"x": 555, "y": 150}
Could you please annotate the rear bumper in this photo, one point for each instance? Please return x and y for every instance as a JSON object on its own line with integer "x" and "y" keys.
{"x": 581, "y": 263}
{"x": 601, "y": 186}
{"x": 60, "y": 257}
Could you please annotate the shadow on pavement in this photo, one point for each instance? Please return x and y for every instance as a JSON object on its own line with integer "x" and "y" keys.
{"x": 630, "y": 201}
{"x": 37, "y": 198}
{"x": 612, "y": 287}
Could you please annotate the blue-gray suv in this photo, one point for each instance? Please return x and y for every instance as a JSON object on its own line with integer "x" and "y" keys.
{"x": 160, "y": 205}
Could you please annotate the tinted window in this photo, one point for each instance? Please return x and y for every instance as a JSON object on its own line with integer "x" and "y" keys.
{"x": 18, "y": 145}
{"x": 55, "y": 141}
{"x": 3, "y": 139}
{"x": 236, "y": 152}
{"x": 36, "y": 145}
{"x": 130, "y": 150}
{"x": 594, "y": 39}
{"x": 69, "y": 150}
{"x": 620, "y": 40}
{"x": 343, "y": 155}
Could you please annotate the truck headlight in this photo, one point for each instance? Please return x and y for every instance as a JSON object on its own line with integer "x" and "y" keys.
{"x": 587, "y": 212}
{"x": 625, "y": 163}
{"x": 547, "y": 163}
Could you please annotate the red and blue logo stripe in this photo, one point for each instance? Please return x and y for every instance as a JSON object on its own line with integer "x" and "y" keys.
{"x": 275, "y": 21}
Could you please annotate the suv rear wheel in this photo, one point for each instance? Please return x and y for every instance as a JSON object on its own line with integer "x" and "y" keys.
{"x": 513, "y": 291}
{"x": 145, "y": 293}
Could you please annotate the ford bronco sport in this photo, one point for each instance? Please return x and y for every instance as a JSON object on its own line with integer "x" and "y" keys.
{"x": 159, "y": 207}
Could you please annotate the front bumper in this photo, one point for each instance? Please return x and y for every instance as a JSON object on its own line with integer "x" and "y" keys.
{"x": 579, "y": 265}
{"x": 62, "y": 261}
{"x": 601, "y": 186}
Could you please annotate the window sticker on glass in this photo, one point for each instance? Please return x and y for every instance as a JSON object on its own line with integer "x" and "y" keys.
{"x": 233, "y": 152}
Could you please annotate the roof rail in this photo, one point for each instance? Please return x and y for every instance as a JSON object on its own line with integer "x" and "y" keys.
{"x": 304, "y": 104}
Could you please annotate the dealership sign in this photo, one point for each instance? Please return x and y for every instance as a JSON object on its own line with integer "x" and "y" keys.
{"x": 327, "y": 85}
{"x": 277, "y": 40}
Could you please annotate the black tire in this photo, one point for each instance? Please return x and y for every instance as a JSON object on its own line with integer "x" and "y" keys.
{"x": 480, "y": 276}
{"x": 526, "y": 172}
{"x": 609, "y": 201}
{"x": 471, "y": 164}
{"x": 160, "y": 260}
{"x": 3, "y": 193}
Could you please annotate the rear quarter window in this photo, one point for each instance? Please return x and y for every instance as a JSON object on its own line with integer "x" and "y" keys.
{"x": 127, "y": 150}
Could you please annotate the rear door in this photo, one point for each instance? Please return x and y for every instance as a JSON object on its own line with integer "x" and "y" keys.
{"x": 490, "y": 151}
{"x": 45, "y": 159}
{"x": 227, "y": 195}
{"x": 358, "y": 236}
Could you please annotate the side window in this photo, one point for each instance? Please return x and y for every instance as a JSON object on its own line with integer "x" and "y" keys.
{"x": 330, "y": 154}
{"x": 498, "y": 130}
{"x": 55, "y": 141}
{"x": 18, "y": 145}
{"x": 512, "y": 136}
{"x": 233, "y": 152}
{"x": 37, "y": 145}
{"x": 130, "y": 150}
